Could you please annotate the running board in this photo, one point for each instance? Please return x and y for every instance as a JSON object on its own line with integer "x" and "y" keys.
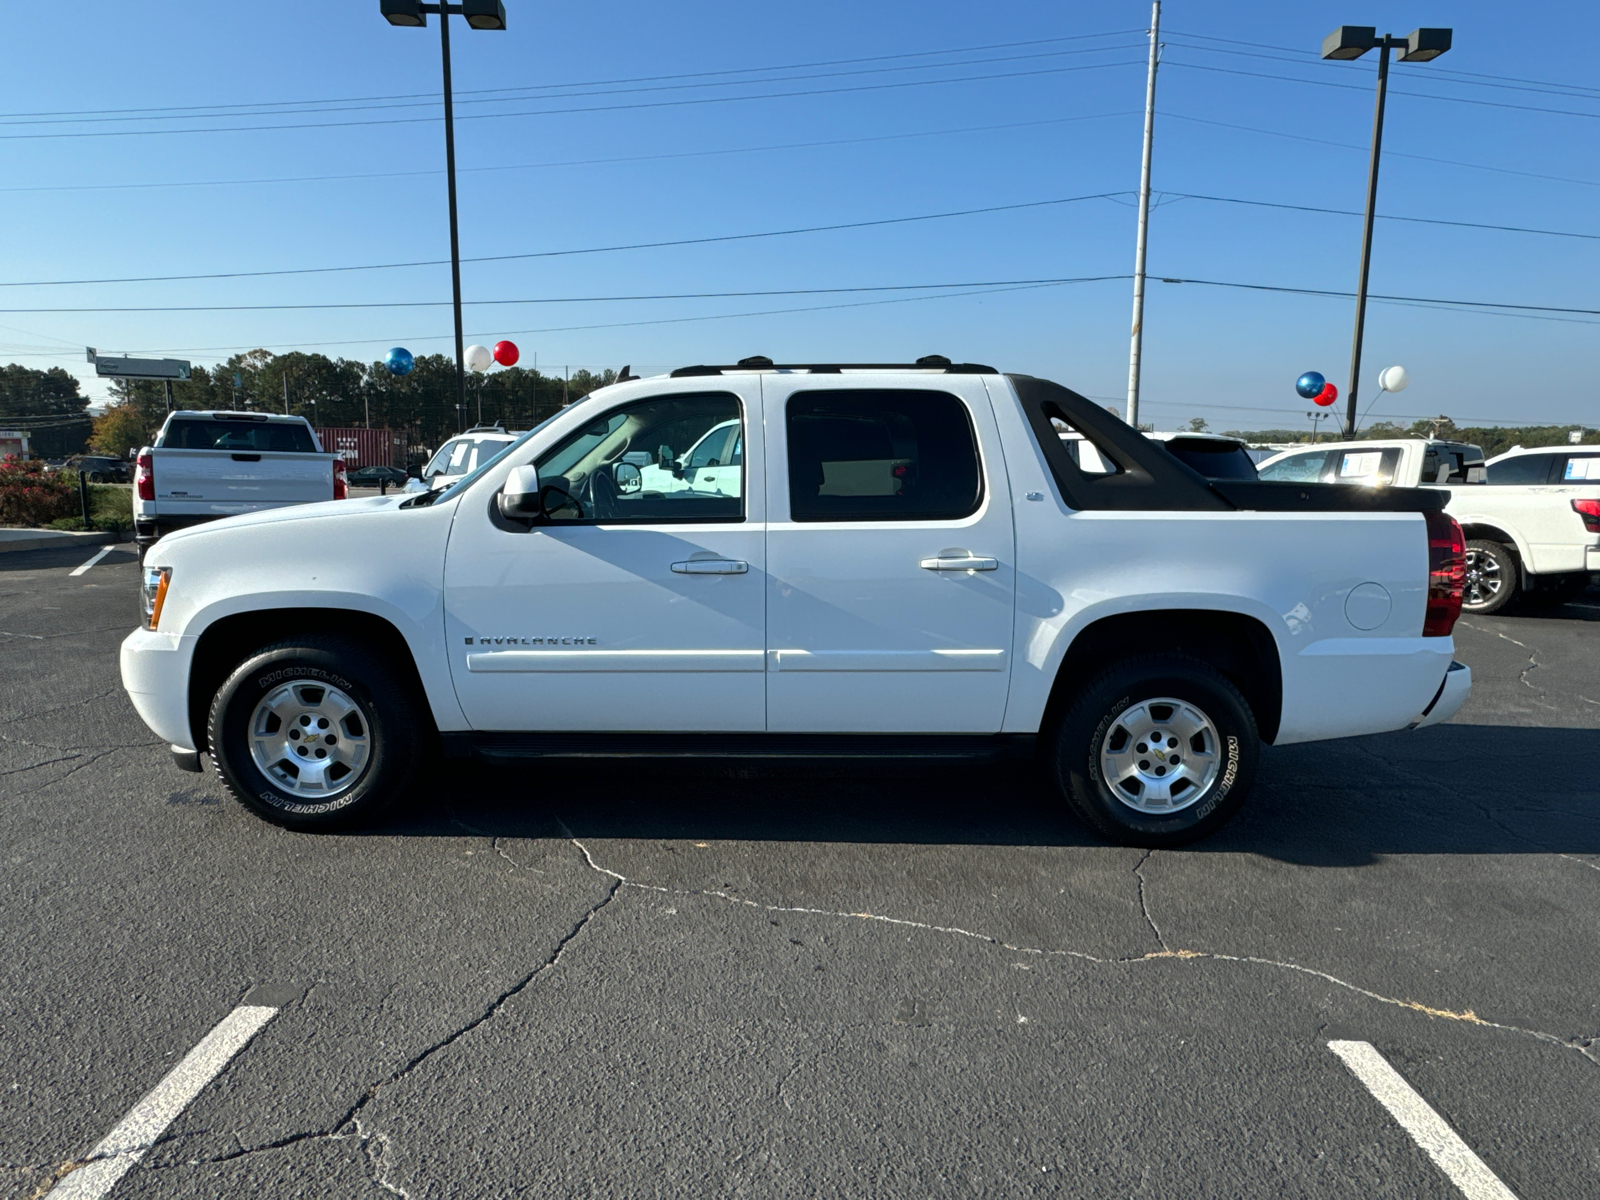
{"x": 494, "y": 747}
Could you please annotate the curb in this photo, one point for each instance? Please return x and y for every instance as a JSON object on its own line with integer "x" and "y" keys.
{"x": 49, "y": 539}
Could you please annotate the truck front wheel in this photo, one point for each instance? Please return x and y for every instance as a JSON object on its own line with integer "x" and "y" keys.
{"x": 1492, "y": 577}
{"x": 314, "y": 733}
{"x": 1158, "y": 751}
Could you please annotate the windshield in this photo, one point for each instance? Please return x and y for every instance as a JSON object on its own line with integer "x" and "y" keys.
{"x": 449, "y": 459}
{"x": 466, "y": 481}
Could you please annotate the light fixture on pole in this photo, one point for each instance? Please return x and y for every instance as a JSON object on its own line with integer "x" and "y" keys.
{"x": 1351, "y": 42}
{"x": 480, "y": 14}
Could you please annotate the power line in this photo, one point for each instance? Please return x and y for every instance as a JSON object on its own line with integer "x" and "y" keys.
{"x": 623, "y": 324}
{"x": 898, "y": 287}
{"x": 1500, "y": 307}
{"x": 575, "y": 162}
{"x": 699, "y": 241}
{"x": 1433, "y": 71}
{"x": 781, "y": 233}
{"x": 1356, "y": 87}
{"x": 1449, "y": 162}
{"x": 1349, "y": 212}
{"x": 556, "y": 112}
{"x": 834, "y": 62}
{"x": 1443, "y": 303}
{"x": 399, "y": 102}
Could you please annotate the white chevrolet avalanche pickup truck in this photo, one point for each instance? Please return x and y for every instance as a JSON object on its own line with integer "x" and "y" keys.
{"x": 890, "y": 560}
{"x": 1531, "y": 517}
{"x": 208, "y": 465}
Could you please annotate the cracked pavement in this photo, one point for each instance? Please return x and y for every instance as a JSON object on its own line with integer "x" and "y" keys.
{"x": 668, "y": 979}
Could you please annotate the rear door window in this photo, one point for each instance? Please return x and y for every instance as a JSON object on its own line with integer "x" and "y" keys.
{"x": 1581, "y": 469}
{"x": 1297, "y": 468}
{"x": 881, "y": 455}
{"x": 1522, "y": 469}
{"x": 274, "y": 437}
{"x": 1365, "y": 468}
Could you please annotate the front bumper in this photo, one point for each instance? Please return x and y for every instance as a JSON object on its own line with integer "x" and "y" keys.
{"x": 155, "y": 672}
{"x": 1452, "y": 695}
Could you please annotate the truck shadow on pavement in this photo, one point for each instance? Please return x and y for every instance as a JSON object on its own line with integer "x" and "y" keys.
{"x": 1454, "y": 789}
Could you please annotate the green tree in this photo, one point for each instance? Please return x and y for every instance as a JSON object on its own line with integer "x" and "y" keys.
{"x": 120, "y": 428}
{"x": 1198, "y": 425}
{"x": 48, "y": 405}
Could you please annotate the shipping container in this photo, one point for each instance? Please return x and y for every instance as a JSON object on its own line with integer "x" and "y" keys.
{"x": 365, "y": 447}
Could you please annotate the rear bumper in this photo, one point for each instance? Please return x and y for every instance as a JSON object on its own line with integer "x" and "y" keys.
{"x": 1452, "y": 695}
{"x": 155, "y": 672}
{"x": 1592, "y": 558}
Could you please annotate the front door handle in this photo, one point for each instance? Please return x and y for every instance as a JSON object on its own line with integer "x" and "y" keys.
{"x": 961, "y": 561}
{"x": 711, "y": 566}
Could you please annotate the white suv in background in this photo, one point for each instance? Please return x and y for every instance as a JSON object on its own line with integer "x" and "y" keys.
{"x": 461, "y": 456}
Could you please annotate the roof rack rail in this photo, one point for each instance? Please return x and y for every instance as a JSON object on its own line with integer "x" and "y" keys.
{"x": 936, "y": 362}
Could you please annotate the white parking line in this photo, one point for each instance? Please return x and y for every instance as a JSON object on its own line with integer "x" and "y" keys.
{"x": 1426, "y": 1127}
{"x": 104, "y": 550}
{"x": 148, "y": 1119}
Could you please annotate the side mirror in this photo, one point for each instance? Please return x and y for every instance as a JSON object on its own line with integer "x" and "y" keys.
{"x": 519, "y": 499}
{"x": 627, "y": 477}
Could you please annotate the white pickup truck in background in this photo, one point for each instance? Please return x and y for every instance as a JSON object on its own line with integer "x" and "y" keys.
{"x": 1531, "y": 517}
{"x": 206, "y": 465}
{"x": 886, "y": 560}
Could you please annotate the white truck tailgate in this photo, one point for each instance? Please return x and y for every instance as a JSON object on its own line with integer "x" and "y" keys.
{"x": 192, "y": 482}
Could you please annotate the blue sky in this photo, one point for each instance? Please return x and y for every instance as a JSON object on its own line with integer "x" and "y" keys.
{"x": 1045, "y": 108}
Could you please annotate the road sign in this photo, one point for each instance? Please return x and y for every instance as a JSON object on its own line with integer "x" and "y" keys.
{"x": 142, "y": 368}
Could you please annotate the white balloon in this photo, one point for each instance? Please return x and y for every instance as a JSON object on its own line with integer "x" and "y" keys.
{"x": 1393, "y": 379}
{"x": 478, "y": 359}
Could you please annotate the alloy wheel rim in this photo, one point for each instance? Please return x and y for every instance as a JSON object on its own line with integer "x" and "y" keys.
{"x": 1160, "y": 756}
{"x": 310, "y": 739}
{"x": 1483, "y": 579}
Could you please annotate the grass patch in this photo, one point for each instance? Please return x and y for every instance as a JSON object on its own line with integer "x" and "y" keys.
{"x": 110, "y": 510}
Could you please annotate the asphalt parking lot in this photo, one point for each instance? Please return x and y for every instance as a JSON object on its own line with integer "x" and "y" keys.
{"x": 672, "y": 980}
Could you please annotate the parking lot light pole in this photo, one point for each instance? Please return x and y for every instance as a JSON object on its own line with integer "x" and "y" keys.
{"x": 480, "y": 14}
{"x": 1351, "y": 42}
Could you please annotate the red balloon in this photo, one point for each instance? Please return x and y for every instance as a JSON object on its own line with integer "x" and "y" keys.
{"x": 1326, "y": 396}
{"x": 506, "y": 353}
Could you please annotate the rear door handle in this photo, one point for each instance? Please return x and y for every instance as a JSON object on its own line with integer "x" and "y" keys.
{"x": 711, "y": 566}
{"x": 247, "y": 458}
{"x": 965, "y": 562}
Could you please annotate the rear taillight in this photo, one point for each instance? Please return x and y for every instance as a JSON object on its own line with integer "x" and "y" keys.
{"x": 1447, "y": 574}
{"x": 1589, "y": 510}
{"x": 144, "y": 478}
{"x": 341, "y": 482}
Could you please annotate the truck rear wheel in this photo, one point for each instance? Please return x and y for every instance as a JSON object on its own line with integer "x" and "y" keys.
{"x": 1157, "y": 751}
{"x": 314, "y": 734}
{"x": 1493, "y": 579}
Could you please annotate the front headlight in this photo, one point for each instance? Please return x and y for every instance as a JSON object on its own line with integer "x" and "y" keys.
{"x": 153, "y": 593}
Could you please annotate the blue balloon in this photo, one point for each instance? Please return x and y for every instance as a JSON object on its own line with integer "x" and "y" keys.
{"x": 1310, "y": 384}
{"x": 400, "y": 362}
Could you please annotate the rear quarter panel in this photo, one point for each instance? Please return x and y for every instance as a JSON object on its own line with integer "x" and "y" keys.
{"x": 1293, "y": 572}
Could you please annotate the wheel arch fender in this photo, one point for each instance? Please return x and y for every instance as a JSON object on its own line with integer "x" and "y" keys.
{"x": 1240, "y": 645}
{"x": 1484, "y": 530}
{"x": 1489, "y": 530}
{"x": 230, "y": 638}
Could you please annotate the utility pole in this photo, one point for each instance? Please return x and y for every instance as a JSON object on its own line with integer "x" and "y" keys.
{"x": 286, "y": 393}
{"x": 455, "y": 240}
{"x": 1345, "y": 44}
{"x": 1144, "y": 217}
{"x": 1366, "y": 242}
